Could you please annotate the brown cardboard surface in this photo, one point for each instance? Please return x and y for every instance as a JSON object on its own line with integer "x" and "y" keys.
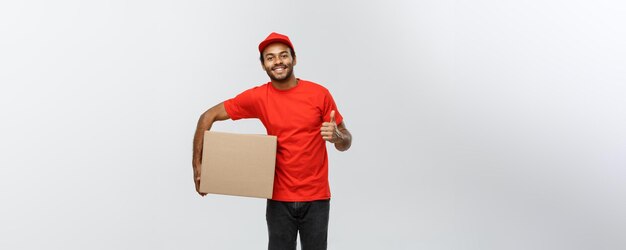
{"x": 238, "y": 164}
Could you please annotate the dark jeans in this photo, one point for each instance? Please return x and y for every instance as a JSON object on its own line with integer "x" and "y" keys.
{"x": 285, "y": 219}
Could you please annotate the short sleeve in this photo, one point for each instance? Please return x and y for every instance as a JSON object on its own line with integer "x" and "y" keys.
{"x": 329, "y": 105}
{"x": 242, "y": 106}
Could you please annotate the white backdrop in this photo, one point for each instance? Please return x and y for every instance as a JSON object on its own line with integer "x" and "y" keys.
{"x": 477, "y": 124}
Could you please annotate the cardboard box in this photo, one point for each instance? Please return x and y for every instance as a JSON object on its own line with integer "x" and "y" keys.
{"x": 238, "y": 164}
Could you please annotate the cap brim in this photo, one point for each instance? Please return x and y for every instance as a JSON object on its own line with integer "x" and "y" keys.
{"x": 266, "y": 43}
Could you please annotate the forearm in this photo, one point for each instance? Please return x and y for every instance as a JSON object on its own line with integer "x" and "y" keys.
{"x": 204, "y": 123}
{"x": 346, "y": 140}
{"x": 216, "y": 113}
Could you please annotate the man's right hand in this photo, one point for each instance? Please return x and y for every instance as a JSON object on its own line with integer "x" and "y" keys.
{"x": 197, "y": 171}
{"x": 216, "y": 113}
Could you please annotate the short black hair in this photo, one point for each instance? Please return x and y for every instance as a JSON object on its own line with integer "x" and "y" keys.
{"x": 293, "y": 54}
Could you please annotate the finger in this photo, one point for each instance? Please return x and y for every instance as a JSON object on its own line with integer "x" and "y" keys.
{"x": 327, "y": 129}
{"x": 332, "y": 116}
{"x": 325, "y": 135}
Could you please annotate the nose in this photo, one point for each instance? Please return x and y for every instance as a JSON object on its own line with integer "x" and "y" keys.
{"x": 278, "y": 61}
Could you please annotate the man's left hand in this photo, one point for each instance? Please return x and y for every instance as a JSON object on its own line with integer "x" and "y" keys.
{"x": 329, "y": 130}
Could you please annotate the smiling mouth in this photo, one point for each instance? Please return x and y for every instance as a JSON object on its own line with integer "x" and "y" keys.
{"x": 279, "y": 69}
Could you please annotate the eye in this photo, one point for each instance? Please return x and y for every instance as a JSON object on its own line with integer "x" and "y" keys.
{"x": 283, "y": 56}
{"x": 269, "y": 58}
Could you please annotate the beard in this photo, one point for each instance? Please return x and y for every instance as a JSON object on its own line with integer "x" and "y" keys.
{"x": 288, "y": 71}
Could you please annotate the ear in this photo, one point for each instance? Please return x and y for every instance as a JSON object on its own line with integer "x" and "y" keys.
{"x": 263, "y": 65}
{"x": 294, "y": 62}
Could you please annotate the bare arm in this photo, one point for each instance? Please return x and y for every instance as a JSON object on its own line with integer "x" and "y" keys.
{"x": 337, "y": 134}
{"x": 345, "y": 136}
{"x": 216, "y": 113}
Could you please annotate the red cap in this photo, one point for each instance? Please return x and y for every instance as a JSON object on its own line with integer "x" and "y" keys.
{"x": 275, "y": 38}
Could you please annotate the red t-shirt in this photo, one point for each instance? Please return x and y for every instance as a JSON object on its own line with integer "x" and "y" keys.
{"x": 295, "y": 116}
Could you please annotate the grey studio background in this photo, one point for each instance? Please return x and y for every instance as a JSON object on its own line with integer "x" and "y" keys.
{"x": 477, "y": 124}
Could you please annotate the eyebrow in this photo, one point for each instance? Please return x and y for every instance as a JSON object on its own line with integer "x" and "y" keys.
{"x": 279, "y": 53}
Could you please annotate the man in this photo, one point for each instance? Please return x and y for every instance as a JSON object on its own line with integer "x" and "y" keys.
{"x": 303, "y": 116}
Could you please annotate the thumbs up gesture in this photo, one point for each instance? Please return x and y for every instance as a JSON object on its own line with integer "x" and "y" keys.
{"x": 329, "y": 130}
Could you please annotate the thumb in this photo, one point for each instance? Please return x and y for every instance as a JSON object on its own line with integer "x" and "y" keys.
{"x": 332, "y": 116}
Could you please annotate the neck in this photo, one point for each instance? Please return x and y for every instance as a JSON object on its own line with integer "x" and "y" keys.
{"x": 286, "y": 84}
